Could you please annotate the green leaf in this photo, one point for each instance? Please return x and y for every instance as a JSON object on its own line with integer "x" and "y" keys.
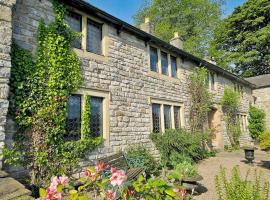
{"x": 42, "y": 192}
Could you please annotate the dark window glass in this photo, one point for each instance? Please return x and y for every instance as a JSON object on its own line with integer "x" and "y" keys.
{"x": 75, "y": 22}
{"x": 74, "y": 117}
{"x": 167, "y": 116}
{"x": 153, "y": 59}
{"x": 212, "y": 79}
{"x": 173, "y": 66}
{"x": 177, "y": 119}
{"x": 164, "y": 63}
{"x": 96, "y": 117}
{"x": 156, "y": 117}
{"x": 207, "y": 80}
{"x": 94, "y": 37}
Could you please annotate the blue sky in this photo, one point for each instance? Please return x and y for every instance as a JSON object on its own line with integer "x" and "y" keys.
{"x": 125, "y": 9}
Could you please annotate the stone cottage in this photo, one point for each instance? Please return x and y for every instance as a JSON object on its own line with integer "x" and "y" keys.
{"x": 262, "y": 95}
{"x": 137, "y": 82}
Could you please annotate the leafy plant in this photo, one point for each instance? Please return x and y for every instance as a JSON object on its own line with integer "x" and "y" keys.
{"x": 229, "y": 102}
{"x": 200, "y": 99}
{"x": 183, "y": 170}
{"x": 39, "y": 102}
{"x": 265, "y": 140}
{"x": 256, "y": 122}
{"x": 138, "y": 156}
{"x": 177, "y": 145}
{"x": 237, "y": 188}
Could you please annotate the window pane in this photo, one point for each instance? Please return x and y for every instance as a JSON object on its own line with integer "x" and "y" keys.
{"x": 94, "y": 36}
{"x": 173, "y": 66}
{"x": 167, "y": 116}
{"x": 96, "y": 117}
{"x": 75, "y": 22}
{"x": 153, "y": 59}
{"x": 177, "y": 122}
{"x": 74, "y": 117}
{"x": 164, "y": 63}
{"x": 212, "y": 77}
{"x": 156, "y": 117}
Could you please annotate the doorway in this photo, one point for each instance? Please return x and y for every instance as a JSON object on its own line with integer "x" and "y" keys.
{"x": 214, "y": 124}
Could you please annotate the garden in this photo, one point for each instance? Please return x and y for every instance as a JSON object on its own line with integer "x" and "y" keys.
{"x": 40, "y": 107}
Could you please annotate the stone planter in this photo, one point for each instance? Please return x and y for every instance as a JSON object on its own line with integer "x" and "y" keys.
{"x": 249, "y": 154}
{"x": 191, "y": 183}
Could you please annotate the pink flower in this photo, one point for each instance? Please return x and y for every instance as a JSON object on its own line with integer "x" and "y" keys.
{"x": 54, "y": 182}
{"x": 118, "y": 178}
{"x": 131, "y": 192}
{"x": 113, "y": 169}
{"x": 63, "y": 180}
{"x": 111, "y": 195}
{"x": 99, "y": 167}
{"x": 181, "y": 191}
{"x": 52, "y": 194}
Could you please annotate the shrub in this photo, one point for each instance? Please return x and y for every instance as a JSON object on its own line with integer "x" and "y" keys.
{"x": 265, "y": 140}
{"x": 178, "y": 145}
{"x": 237, "y": 188}
{"x": 256, "y": 122}
{"x": 138, "y": 156}
{"x": 183, "y": 170}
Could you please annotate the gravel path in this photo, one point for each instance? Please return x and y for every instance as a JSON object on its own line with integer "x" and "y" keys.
{"x": 210, "y": 167}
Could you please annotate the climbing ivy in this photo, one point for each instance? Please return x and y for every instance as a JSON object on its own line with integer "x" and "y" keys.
{"x": 230, "y": 102}
{"x": 40, "y": 89}
{"x": 86, "y": 117}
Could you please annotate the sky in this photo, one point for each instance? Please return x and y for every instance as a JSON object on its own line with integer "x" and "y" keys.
{"x": 125, "y": 9}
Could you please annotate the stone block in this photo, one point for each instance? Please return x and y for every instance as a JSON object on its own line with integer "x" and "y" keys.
{"x": 5, "y": 13}
{"x": 8, "y": 2}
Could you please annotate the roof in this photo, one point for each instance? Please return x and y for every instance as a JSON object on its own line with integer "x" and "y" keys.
{"x": 260, "y": 81}
{"x": 124, "y": 26}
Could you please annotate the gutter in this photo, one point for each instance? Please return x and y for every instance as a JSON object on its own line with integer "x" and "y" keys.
{"x": 121, "y": 25}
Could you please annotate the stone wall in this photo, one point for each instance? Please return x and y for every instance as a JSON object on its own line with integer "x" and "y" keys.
{"x": 124, "y": 73}
{"x": 263, "y": 101}
{"x": 5, "y": 64}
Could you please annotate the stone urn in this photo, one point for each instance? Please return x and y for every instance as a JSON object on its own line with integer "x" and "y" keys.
{"x": 249, "y": 154}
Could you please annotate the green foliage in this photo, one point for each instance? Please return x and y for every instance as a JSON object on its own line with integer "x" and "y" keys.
{"x": 240, "y": 42}
{"x": 183, "y": 170}
{"x": 85, "y": 130}
{"x": 237, "y": 188}
{"x": 195, "y": 20}
{"x": 138, "y": 156}
{"x": 265, "y": 140}
{"x": 256, "y": 122}
{"x": 200, "y": 99}
{"x": 40, "y": 90}
{"x": 229, "y": 102}
{"x": 178, "y": 145}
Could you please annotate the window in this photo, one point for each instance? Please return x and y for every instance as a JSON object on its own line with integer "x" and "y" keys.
{"x": 166, "y": 115}
{"x": 212, "y": 81}
{"x": 242, "y": 119}
{"x": 173, "y": 67}
{"x": 75, "y": 22}
{"x": 156, "y": 118}
{"x": 164, "y": 63}
{"x": 177, "y": 121}
{"x": 153, "y": 59}
{"x": 74, "y": 117}
{"x": 96, "y": 116}
{"x": 94, "y": 37}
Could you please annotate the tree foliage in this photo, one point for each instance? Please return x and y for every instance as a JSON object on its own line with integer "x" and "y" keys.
{"x": 40, "y": 90}
{"x": 256, "y": 122}
{"x": 242, "y": 41}
{"x": 195, "y": 20}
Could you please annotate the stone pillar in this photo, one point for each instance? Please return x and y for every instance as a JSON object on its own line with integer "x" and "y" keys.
{"x": 5, "y": 64}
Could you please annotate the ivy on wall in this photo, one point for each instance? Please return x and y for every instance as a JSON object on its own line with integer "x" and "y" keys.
{"x": 230, "y": 102}
{"x": 40, "y": 90}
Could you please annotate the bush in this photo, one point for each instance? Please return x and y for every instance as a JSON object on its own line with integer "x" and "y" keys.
{"x": 178, "y": 145}
{"x": 237, "y": 188}
{"x": 183, "y": 170}
{"x": 256, "y": 122}
{"x": 265, "y": 140}
{"x": 138, "y": 156}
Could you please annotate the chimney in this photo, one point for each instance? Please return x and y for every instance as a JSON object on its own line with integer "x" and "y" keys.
{"x": 147, "y": 26}
{"x": 177, "y": 41}
{"x": 210, "y": 60}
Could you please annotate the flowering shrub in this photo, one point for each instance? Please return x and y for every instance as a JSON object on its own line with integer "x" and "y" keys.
{"x": 105, "y": 182}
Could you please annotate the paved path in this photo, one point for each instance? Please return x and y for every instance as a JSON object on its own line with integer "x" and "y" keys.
{"x": 210, "y": 167}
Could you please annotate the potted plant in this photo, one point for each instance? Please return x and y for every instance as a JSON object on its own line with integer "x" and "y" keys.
{"x": 187, "y": 175}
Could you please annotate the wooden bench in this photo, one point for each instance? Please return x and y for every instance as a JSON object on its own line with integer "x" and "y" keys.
{"x": 119, "y": 161}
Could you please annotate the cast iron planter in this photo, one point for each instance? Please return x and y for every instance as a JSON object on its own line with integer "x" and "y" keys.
{"x": 249, "y": 154}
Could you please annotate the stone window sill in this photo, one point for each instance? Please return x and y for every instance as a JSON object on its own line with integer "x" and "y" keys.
{"x": 163, "y": 77}
{"x": 86, "y": 54}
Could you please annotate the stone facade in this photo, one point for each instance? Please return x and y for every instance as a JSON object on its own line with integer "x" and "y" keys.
{"x": 5, "y": 63}
{"x": 262, "y": 101}
{"x": 123, "y": 73}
